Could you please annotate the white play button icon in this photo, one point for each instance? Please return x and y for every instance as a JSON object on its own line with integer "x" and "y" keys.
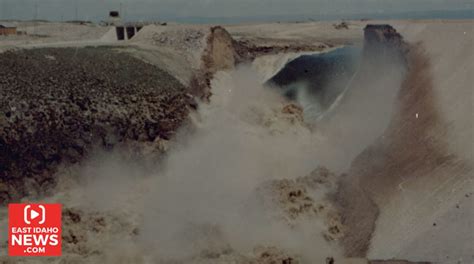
{"x": 33, "y": 214}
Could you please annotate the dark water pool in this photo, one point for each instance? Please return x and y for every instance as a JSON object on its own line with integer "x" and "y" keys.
{"x": 316, "y": 80}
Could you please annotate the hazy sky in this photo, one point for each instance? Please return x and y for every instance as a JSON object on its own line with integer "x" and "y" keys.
{"x": 169, "y": 9}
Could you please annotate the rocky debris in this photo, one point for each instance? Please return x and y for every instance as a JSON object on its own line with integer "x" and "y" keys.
{"x": 181, "y": 39}
{"x": 56, "y": 110}
{"x": 382, "y": 39}
{"x": 83, "y": 231}
{"x": 187, "y": 42}
{"x": 247, "y": 50}
{"x": 291, "y": 197}
{"x": 272, "y": 255}
{"x": 296, "y": 200}
{"x": 294, "y": 113}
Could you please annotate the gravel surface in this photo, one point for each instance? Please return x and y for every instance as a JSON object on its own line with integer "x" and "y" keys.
{"x": 55, "y": 104}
